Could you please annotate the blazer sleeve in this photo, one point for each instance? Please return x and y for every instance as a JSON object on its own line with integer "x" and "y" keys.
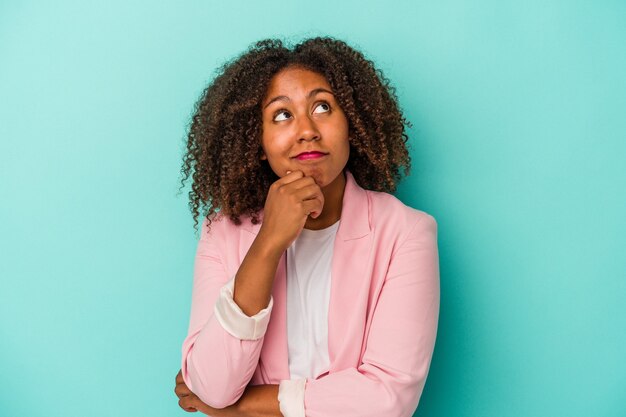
{"x": 223, "y": 344}
{"x": 399, "y": 347}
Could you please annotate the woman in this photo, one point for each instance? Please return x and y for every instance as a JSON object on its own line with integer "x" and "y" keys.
{"x": 316, "y": 292}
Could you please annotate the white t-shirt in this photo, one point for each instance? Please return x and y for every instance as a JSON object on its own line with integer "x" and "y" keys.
{"x": 308, "y": 293}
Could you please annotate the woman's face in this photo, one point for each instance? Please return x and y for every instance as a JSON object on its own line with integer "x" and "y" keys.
{"x": 300, "y": 114}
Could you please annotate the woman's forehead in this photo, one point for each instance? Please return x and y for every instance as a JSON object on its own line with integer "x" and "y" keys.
{"x": 295, "y": 81}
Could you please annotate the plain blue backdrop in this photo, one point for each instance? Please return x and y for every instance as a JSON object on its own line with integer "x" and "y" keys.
{"x": 518, "y": 151}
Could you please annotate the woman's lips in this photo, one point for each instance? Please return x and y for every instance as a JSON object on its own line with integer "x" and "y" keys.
{"x": 310, "y": 155}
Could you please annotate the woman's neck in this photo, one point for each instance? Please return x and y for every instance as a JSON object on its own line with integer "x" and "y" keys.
{"x": 333, "y": 201}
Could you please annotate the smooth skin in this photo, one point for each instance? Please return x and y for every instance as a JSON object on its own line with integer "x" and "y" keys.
{"x": 300, "y": 114}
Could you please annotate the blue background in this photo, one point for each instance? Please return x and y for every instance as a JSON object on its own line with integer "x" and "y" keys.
{"x": 518, "y": 151}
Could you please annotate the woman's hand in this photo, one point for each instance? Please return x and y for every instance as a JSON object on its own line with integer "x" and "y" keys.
{"x": 187, "y": 400}
{"x": 289, "y": 202}
{"x": 190, "y": 402}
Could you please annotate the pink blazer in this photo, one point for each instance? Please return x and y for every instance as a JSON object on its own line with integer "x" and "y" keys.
{"x": 382, "y": 318}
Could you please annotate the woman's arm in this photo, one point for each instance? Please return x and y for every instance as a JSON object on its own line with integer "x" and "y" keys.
{"x": 228, "y": 322}
{"x": 223, "y": 345}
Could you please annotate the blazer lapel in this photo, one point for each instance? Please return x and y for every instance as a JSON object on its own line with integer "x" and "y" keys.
{"x": 349, "y": 278}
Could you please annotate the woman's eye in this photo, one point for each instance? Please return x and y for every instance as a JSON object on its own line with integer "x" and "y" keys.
{"x": 324, "y": 104}
{"x": 276, "y": 119}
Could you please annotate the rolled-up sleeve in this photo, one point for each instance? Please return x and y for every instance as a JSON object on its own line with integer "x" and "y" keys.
{"x": 235, "y": 321}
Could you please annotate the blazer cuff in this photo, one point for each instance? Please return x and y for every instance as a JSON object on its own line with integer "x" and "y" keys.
{"x": 235, "y": 321}
{"x": 291, "y": 397}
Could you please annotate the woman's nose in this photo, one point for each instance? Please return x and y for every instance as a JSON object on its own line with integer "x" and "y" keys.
{"x": 307, "y": 130}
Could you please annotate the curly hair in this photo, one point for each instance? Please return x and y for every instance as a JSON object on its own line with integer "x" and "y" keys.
{"x": 224, "y": 138}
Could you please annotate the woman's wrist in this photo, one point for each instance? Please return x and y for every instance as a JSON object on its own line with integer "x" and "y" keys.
{"x": 267, "y": 245}
{"x": 255, "y": 277}
{"x": 259, "y": 400}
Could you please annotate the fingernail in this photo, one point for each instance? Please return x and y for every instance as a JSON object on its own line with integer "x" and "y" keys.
{"x": 288, "y": 172}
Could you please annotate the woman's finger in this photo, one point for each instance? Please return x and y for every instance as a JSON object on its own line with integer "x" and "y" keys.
{"x": 312, "y": 207}
{"x": 187, "y": 404}
{"x": 309, "y": 192}
{"x": 181, "y": 390}
{"x": 302, "y": 183}
{"x": 290, "y": 177}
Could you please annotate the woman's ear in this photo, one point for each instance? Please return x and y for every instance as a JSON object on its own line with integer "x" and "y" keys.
{"x": 263, "y": 156}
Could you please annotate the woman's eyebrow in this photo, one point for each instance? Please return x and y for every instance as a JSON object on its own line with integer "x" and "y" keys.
{"x": 311, "y": 94}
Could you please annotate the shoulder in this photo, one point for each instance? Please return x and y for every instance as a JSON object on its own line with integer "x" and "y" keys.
{"x": 395, "y": 222}
{"x": 387, "y": 208}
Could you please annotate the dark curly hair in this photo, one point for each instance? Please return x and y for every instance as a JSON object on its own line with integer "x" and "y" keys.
{"x": 224, "y": 138}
